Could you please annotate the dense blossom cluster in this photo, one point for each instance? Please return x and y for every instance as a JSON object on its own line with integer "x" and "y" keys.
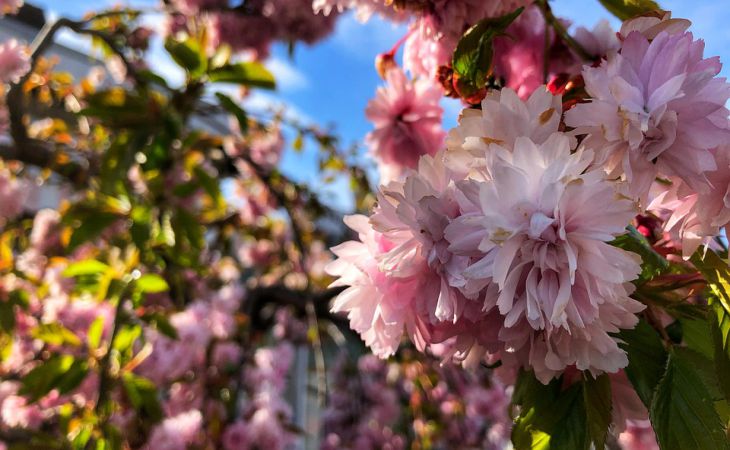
{"x": 523, "y": 61}
{"x": 499, "y": 246}
{"x": 181, "y": 279}
{"x": 365, "y": 406}
{"x": 14, "y": 193}
{"x": 14, "y": 61}
{"x": 508, "y": 225}
{"x": 257, "y": 26}
{"x": 203, "y": 354}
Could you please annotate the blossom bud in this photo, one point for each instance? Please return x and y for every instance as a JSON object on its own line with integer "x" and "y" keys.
{"x": 384, "y": 62}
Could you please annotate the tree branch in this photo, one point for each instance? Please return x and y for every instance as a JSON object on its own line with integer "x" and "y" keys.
{"x": 36, "y": 152}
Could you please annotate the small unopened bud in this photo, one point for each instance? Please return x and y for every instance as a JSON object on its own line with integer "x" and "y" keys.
{"x": 384, "y": 62}
{"x": 445, "y": 77}
{"x": 139, "y": 39}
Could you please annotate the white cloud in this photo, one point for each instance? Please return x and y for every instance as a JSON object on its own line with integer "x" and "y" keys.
{"x": 365, "y": 40}
{"x": 288, "y": 77}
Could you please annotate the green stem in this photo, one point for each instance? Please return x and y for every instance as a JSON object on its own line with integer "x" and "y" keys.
{"x": 553, "y": 21}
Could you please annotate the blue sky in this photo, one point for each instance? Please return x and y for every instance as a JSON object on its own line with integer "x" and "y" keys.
{"x": 331, "y": 82}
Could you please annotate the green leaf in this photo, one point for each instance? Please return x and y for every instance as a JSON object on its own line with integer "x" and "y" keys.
{"x": 627, "y": 9}
{"x": 151, "y": 77}
{"x": 720, "y": 327}
{"x": 55, "y": 334}
{"x": 113, "y": 439}
{"x": 142, "y": 394}
{"x": 188, "y": 235}
{"x": 210, "y": 185}
{"x": 647, "y": 359}
{"x": 151, "y": 283}
{"x": 717, "y": 274}
{"x": 244, "y": 73}
{"x": 572, "y": 430}
{"x": 221, "y": 56}
{"x": 697, "y": 335}
{"x": 534, "y": 398}
{"x": 96, "y": 329}
{"x": 119, "y": 108}
{"x": 126, "y": 336}
{"x": 16, "y": 298}
{"x": 85, "y": 267}
{"x": 7, "y": 316}
{"x": 682, "y": 411}
{"x": 38, "y": 440}
{"x": 90, "y": 228}
{"x": 229, "y": 105}
{"x": 554, "y": 419}
{"x": 472, "y": 60}
{"x": 653, "y": 264}
{"x": 61, "y": 372}
{"x": 598, "y": 406}
{"x": 19, "y": 298}
{"x": 187, "y": 54}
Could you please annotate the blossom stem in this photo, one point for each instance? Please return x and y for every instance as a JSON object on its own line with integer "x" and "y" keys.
{"x": 562, "y": 32}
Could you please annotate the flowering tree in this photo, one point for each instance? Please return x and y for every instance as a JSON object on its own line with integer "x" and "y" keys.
{"x": 550, "y": 273}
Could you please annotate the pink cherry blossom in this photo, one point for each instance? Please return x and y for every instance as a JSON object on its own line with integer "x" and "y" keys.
{"x": 434, "y": 34}
{"x": 697, "y": 217}
{"x": 176, "y": 433}
{"x": 541, "y": 230}
{"x": 236, "y": 436}
{"x": 171, "y": 358}
{"x": 364, "y": 9}
{"x": 78, "y": 315}
{"x": 252, "y": 33}
{"x": 379, "y": 307}
{"x": 272, "y": 367}
{"x": 650, "y": 25}
{"x": 226, "y": 354}
{"x": 14, "y": 61}
{"x": 15, "y": 410}
{"x": 656, "y": 109}
{"x": 264, "y": 22}
{"x": 519, "y": 55}
{"x": 296, "y": 21}
{"x": 638, "y": 436}
{"x": 452, "y": 18}
{"x": 415, "y": 213}
{"x": 184, "y": 397}
{"x": 267, "y": 150}
{"x": 192, "y": 7}
{"x": 44, "y": 235}
{"x": 423, "y": 53}
{"x": 407, "y": 119}
{"x": 627, "y": 407}
{"x": 263, "y": 146}
{"x": 503, "y": 118}
{"x": 13, "y": 194}
{"x": 600, "y": 40}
